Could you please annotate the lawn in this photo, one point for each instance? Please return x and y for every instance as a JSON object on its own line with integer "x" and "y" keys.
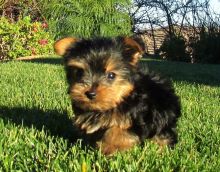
{"x": 36, "y": 130}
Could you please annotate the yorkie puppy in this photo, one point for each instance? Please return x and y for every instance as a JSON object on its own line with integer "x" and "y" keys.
{"x": 116, "y": 103}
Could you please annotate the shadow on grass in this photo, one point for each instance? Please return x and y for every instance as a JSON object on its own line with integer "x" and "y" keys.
{"x": 55, "y": 123}
{"x": 206, "y": 74}
{"x": 193, "y": 73}
{"x": 46, "y": 60}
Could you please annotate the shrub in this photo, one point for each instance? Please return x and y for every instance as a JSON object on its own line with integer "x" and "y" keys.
{"x": 23, "y": 38}
{"x": 206, "y": 49}
{"x": 87, "y": 18}
{"x": 16, "y": 9}
{"x": 174, "y": 49}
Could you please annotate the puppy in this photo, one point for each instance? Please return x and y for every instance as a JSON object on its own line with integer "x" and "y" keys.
{"x": 116, "y": 103}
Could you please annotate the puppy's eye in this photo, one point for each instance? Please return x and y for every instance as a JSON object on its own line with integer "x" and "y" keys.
{"x": 111, "y": 75}
{"x": 79, "y": 72}
{"x": 74, "y": 73}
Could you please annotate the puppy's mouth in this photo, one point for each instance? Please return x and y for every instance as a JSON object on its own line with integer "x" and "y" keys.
{"x": 94, "y": 105}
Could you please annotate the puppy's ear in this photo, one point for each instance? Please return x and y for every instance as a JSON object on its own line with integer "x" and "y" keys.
{"x": 132, "y": 50}
{"x": 62, "y": 45}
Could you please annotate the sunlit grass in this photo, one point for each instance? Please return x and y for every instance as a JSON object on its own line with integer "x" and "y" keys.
{"x": 36, "y": 129}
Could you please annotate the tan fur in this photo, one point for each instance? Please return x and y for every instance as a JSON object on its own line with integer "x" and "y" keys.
{"x": 132, "y": 43}
{"x": 132, "y": 49}
{"x": 77, "y": 64}
{"x": 110, "y": 65}
{"x": 117, "y": 139}
{"x": 135, "y": 59}
{"x": 161, "y": 141}
{"x": 120, "y": 120}
{"x": 62, "y": 45}
{"x": 103, "y": 120}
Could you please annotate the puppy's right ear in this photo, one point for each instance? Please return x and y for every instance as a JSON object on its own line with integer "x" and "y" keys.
{"x": 132, "y": 50}
{"x": 62, "y": 45}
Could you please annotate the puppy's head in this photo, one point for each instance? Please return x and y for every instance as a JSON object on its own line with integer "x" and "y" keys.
{"x": 99, "y": 70}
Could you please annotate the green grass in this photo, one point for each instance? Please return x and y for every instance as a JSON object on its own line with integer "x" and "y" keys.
{"x": 36, "y": 130}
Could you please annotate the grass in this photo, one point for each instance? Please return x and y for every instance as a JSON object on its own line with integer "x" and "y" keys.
{"x": 36, "y": 130}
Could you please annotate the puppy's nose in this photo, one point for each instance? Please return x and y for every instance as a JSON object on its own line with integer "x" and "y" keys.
{"x": 91, "y": 94}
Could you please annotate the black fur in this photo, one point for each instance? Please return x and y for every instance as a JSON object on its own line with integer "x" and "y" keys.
{"x": 154, "y": 106}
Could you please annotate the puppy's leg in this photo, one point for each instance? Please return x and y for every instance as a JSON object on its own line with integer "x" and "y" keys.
{"x": 167, "y": 136}
{"x": 117, "y": 139}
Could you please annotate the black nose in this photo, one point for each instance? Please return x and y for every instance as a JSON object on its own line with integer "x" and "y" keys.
{"x": 91, "y": 94}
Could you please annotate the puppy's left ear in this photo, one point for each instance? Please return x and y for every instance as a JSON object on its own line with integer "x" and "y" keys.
{"x": 62, "y": 45}
{"x": 132, "y": 50}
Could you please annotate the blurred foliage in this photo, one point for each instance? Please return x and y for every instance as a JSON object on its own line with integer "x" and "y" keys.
{"x": 86, "y": 18}
{"x": 91, "y": 18}
{"x": 206, "y": 49}
{"x": 82, "y": 18}
{"x": 17, "y": 9}
{"x": 174, "y": 49}
{"x": 23, "y": 38}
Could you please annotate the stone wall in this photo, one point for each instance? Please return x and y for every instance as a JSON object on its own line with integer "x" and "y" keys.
{"x": 159, "y": 36}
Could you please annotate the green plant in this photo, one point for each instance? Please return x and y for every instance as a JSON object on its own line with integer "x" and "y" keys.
{"x": 16, "y": 9}
{"x": 23, "y": 38}
{"x": 206, "y": 49}
{"x": 174, "y": 49}
{"x": 86, "y": 18}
